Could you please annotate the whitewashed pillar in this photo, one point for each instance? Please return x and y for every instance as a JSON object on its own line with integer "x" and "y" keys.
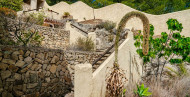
{"x": 83, "y": 80}
{"x": 33, "y": 4}
{"x": 92, "y": 35}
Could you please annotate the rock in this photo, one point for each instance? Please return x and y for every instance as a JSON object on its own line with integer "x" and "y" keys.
{"x": 21, "y": 52}
{"x": 44, "y": 84}
{"x": 48, "y": 67}
{"x": 28, "y": 60}
{"x": 7, "y": 54}
{"x": 47, "y": 73}
{"x": 24, "y": 70}
{"x": 47, "y": 79}
{"x": 67, "y": 79}
{"x": 32, "y": 55}
{"x": 41, "y": 75}
{"x": 44, "y": 66}
{"x": 1, "y": 84}
{"x": 5, "y": 74}
{"x": 17, "y": 93}
{"x": 33, "y": 78}
{"x": 8, "y": 61}
{"x": 3, "y": 66}
{"x": 32, "y": 85}
{"x": 24, "y": 88}
{"x": 17, "y": 87}
{"x": 10, "y": 80}
{"x": 20, "y": 57}
{"x": 55, "y": 59}
{"x": 40, "y": 56}
{"x": 13, "y": 68}
{"x": 27, "y": 53}
{"x": 17, "y": 76}
{"x": 20, "y": 63}
{"x": 7, "y": 94}
{"x": 34, "y": 67}
{"x": 53, "y": 69}
{"x": 59, "y": 68}
{"x": 39, "y": 66}
{"x": 39, "y": 61}
{"x": 61, "y": 73}
{"x": 15, "y": 55}
{"x": 1, "y": 54}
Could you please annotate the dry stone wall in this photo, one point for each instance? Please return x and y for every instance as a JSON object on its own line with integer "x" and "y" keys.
{"x": 78, "y": 57}
{"x": 25, "y": 71}
{"x": 32, "y": 71}
{"x": 54, "y": 38}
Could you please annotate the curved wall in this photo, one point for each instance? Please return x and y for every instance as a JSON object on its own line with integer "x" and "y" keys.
{"x": 116, "y": 11}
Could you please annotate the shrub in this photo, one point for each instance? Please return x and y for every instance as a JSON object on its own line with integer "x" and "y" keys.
{"x": 142, "y": 91}
{"x": 66, "y": 14}
{"x": 12, "y": 4}
{"x": 6, "y": 12}
{"x": 108, "y": 25}
{"x": 37, "y": 18}
{"x": 5, "y": 37}
{"x": 110, "y": 37}
{"x": 85, "y": 44}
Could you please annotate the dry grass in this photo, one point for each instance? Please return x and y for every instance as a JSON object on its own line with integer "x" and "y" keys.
{"x": 179, "y": 87}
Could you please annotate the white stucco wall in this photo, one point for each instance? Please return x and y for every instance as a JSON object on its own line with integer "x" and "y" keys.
{"x": 115, "y": 12}
{"x": 74, "y": 33}
{"x": 133, "y": 72}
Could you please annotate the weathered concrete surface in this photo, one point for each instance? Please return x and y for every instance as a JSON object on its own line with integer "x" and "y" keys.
{"x": 126, "y": 54}
{"x": 92, "y": 35}
{"x": 115, "y": 12}
{"x": 83, "y": 80}
{"x": 74, "y": 33}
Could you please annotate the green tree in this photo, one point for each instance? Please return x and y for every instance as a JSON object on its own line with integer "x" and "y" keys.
{"x": 172, "y": 48}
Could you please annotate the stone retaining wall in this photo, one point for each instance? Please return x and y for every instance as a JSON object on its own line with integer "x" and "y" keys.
{"x": 79, "y": 57}
{"x": 54, "y": 38}
{"x": 46, "y": 72}
{"x": 29, "y": 70}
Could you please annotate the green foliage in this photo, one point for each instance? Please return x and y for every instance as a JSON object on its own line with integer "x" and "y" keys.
{"x": 12, "y": 4}
{"x": 85, "y": 44}
{"x": 37, "y": 18}
{"x": 29, "y": 37}
{"x": 178, "y": 44}
{"x": 6, "y": 12}
{"x": 108, "y": 25}
{"x": 174, "y": 25}
{"x": 182, "y": 71}
{"x": 142, "y": 91}
{"x": 66, "y": 14}
{"x": 165, "y": 47}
